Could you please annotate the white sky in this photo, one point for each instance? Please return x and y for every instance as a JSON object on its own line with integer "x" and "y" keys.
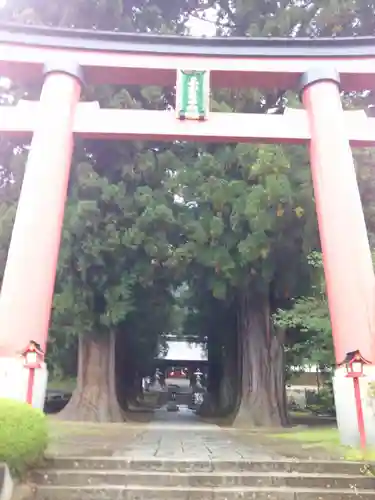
{"x": 184, "y": 351}
{"x": 198, "y": 27}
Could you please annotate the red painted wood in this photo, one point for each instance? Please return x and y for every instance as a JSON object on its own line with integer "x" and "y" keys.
{"x": 29, "y": 276}
{"x": 359, "y": 411}
{"x": 346, "y": 251}
{"x": 26, "y": 63}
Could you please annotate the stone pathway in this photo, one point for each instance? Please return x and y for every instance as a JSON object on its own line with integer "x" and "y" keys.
{"x": 181, "y": 436}
{"x": 177, "y": 457}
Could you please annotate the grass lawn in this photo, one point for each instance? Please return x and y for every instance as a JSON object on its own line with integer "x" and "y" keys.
{"x": 324, "y": 438}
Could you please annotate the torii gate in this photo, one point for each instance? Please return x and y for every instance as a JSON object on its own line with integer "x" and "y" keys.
{"x": 318, "y": 66}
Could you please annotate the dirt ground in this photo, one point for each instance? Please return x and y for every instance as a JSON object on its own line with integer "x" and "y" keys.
{"x": 86, "y": 439}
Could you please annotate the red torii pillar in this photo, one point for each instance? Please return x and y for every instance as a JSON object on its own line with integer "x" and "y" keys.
{"x": 29, "y": 278}
{"x": 346, "y": 252}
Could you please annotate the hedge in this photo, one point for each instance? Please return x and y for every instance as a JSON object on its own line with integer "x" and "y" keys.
{"x": 23, "y": 435}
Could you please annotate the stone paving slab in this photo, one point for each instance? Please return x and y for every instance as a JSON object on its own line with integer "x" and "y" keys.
{"x": 181, "y": 436}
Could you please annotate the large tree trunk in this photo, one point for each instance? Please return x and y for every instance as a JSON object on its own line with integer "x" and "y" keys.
{"x": 262, "y": 370}
{"x": 94, "y": 399}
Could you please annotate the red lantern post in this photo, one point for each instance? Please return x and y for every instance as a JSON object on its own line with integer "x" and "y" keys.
{"x": 33, "y": 359}
{"x": 354, "y": 363}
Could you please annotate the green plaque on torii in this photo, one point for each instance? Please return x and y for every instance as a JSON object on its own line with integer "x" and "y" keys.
{"x": 192, "y": 94}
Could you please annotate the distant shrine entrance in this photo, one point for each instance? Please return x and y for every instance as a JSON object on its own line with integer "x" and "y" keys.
{"x": 183, "y": 369}
{"x": 317, "y": 68}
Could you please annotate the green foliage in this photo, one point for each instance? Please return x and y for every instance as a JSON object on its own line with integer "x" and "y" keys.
{"x": 23, "y": 435}
{"x": 309, "y": 314}
{"x": 366, "y": 180}
{"x": 308, "y": 319}
{"x": 242, "y": 199}
{"x": 323, "y": 401}
{"x": 11, "y": 174}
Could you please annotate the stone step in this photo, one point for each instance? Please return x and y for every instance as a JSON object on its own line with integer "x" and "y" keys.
{"x": 244, "y": 465}
{"x": 127, "y": 478}
{"x": 160, "y": 493}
